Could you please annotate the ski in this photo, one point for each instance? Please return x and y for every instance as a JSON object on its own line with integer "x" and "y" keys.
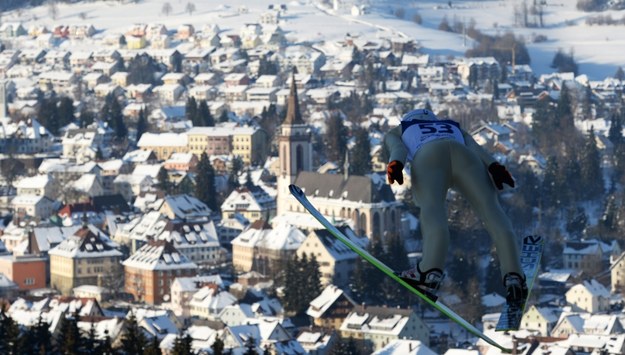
{"x": 531, "y": 252}
{"x": 303, "y": 200}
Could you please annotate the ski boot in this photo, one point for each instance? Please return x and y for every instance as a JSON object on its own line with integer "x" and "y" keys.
{"x": 516, "y": 289}
{"x": 427, "y": 282}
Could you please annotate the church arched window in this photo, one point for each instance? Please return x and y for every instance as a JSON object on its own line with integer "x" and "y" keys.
{"x": 299, "y": 158}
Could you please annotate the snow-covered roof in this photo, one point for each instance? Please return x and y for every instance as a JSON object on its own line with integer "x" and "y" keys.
{"x": 85, "y": 244}
{"x": 158, "y": 255}
{"x": 325, "y": 300}
{"x": 405, "y": 347}
{"x": 162, "y": 139}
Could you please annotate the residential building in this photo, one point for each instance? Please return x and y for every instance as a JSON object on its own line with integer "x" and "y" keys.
{"x": 38, "y": 207}
{"x": 336, "y": 260}
{"x": 38, "y": 185}
{"x": 150, "y": 271}
{"x": 85, "y": 258}
{"x": 541, "y": 319}
{"x": 209, "y": 301}
{"x": 181, "y": 162}
{"x": 379, "y": 326}
{"x": 183, "y": 289}
{"x": 251, "y": 202}
{"x": 330, "y": 308}
{"x": 27, "y": 266}
{"x": 263, "y": 249}
{"x": 246, "y": 142}
{"x": 589, "y": 296}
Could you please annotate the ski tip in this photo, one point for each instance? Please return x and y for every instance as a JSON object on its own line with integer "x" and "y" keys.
{"x": 295, "y": 190}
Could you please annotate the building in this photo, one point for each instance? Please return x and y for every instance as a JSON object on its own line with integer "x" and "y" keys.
{"x": 246, "y": 142}
{"x": 163, "y": 144}
{"x": 251, "y": 202}
{"x": 27, "y": 266}
{"x": 183, "y": 289}
{"x": 263, "y": 249}
{"x": 330, "y": 308}
{"x": 589, "y": 296}
{"x": 378, "y": 326}
{"x": 209, "y": 301}
{"x": 85, "y": 258}
{"x": 150, "y": 271}
{"x": 336, "y": 260}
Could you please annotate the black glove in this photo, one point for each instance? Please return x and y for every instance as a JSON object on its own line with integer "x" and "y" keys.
{"x": 500, "y": 175}
{"x": 394, "y": 172}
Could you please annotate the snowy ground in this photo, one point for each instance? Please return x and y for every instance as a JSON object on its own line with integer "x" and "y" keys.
{"x": 599, "y": 50}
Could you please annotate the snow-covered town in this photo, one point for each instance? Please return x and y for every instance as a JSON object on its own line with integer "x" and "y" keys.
{"x": 145, "y": 164}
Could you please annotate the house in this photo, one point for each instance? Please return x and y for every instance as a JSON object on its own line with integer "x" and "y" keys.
{"x": 25, "y": 137}
{"x": 263, "y": 249}
{"x": 379, "y": 326}
{"x": 590, "y": 256}
{"x": 130, "y": 186}
{"x": 317, "y": 342}
{"x": 589, "y": 296}
{"x": 88, "y": 186}
{"x": 267, "y": 334}
{"x": 252, "y": 202}
{"x": 478, "y": 70}
{"x": 181, "y": 162}
{"x": 541, "y": 319}
{"x": 150, "y": 271}
{"x": 39, "y": 207}
{"x": 328, "y": 310}
{"x": 38, "y": 185}
{"x": 209, "y": 301}
{"x": 87, "y": 257}
{"x": 186, "y": 208}
{"x": 336, "y": 260}
{"x": 183, "y": 288}
{"x": 568, "y": 324}
{"x": 617, "y": 273}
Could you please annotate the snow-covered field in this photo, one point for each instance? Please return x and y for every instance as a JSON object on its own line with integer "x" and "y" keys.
{"x": 599, "y": 50}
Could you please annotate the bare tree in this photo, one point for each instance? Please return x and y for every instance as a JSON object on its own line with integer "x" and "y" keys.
{"x": 166, "y": 9}
{"x": 190, "y": 8}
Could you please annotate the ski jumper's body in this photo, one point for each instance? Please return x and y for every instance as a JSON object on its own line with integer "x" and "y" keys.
{"x": 443, "y": 156}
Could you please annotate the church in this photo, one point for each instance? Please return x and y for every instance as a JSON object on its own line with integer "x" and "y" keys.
{"x": 368, "y": 206}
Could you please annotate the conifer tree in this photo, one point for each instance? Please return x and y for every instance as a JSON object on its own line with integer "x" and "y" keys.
{"x": 335, "y": 138}
{"x": 69, "y": 340}
{"x": 142, "y": 124}
{"x": 48, "y": 115}
{"x": 361, "y": 153}
{"x": 11, "y": 341}
{"x": 91, "y": 342}
{"x": 86, "y": 117}
{"x": 250, "y": 346}
{"x": 164, "y": 182}
{"x": 204, "y": 116}
{"x": 41, "y": 339}
{"x": 205, "y": 190}
{"x": 133, "y": 340}
{"x": 182, "y": 344}
{"x": 590, "y": 164}
{"x": 190, "y": 112}
{"x": 152, "y": 347}
{"x": 551, "y": 183}
{"x": 218, "y": 346}
{"x": 224, "y": 116}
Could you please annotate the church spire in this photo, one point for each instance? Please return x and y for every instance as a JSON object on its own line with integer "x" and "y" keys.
{"x": 293, "y": 114}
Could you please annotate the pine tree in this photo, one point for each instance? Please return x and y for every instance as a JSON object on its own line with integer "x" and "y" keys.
{"x": 205, "y": 190}
{"x": 218, "y": 346}
{"x": 48, "y": 115}
{"x": 312, "y": 281}
{"x": 551, "y": 183}
{"x": 164, "y": 182}
{"x": 590, "y": 164}
{"x": 66, "y": 110}
{"x": 91, "y": 342}
{"x": 86, "y": 117}
{"x": 250, "y": 346}
{"x": 615, "y": 133}
{"x": 620, "y": 74}
{"x": 69, "y": 340}
{"x": 204, "y": 116}
{"x": 142, "y": 124}
{"x": 152, "y": 347}
{"x": 116, "y": 120}
{"x": 335, "y": 139}
{"x": 133, "y": 340}
{"x": 41, "y": 339}
{"x": 182, "y": 344}
{"x": 361, "y": 153}
{"x": 224, "y": 116}
{"x": 11, "y": 342}
{"x": 190, "y": 112}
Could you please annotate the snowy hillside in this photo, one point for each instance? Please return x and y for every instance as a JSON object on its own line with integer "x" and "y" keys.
{"x": 598, "y": 50}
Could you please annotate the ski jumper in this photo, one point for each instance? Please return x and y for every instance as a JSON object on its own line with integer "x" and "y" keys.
{"x": 444, "y": 156}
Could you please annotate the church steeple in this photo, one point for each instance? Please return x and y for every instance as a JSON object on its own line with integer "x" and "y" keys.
{"x": 293, "y": 114}
{"x": 294, "y": 148}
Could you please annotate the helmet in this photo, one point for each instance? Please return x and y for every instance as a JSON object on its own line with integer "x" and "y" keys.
{"x": 419, "y": 114}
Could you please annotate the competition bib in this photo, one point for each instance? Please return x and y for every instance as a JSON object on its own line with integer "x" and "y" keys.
{"x": 416, "y": 133}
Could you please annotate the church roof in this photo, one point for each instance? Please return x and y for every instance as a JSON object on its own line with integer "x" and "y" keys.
{"x": 355, "y": 188}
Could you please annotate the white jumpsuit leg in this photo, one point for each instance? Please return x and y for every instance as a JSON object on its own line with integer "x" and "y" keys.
{"x": 440, "y": 165}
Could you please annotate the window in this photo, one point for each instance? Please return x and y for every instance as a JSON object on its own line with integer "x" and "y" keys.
{"x": 29, "y": 281}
